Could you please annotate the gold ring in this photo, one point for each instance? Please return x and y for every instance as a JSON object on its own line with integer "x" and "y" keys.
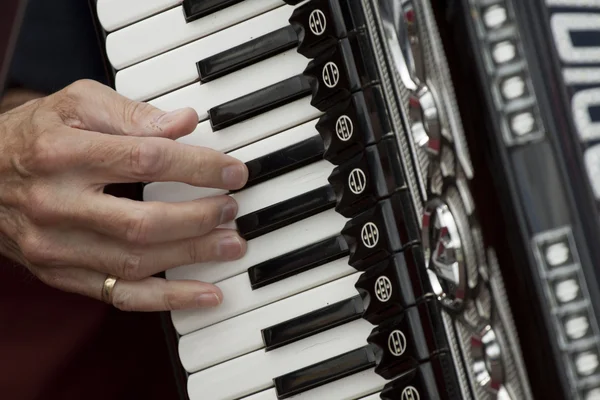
{"x": 107, "y": 288}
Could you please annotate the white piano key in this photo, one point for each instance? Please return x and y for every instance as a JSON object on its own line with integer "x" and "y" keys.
{"x": 374, "y": 396}
{"x": 115, "y": 14}
{"x": 174, "y": 192}
{"x": 283, "y": 187}
{"x": 203, "y": 97}
{"x": 242, "y": 334}
{"x": 270, "y": 394}
{"x": 277, "y": 142}
{"x": 349, "y": 388}
{"x": 254, "y": 129}
{"x": 176, "y": 68}
{"x": 273, "y": 244}
{"x": 254, "y": 372}
{"x": 169, "y": 29}
{"x": 238, "y": 296}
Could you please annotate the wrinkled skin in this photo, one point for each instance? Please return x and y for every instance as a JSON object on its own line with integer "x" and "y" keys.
{"x": 58, "y": 153}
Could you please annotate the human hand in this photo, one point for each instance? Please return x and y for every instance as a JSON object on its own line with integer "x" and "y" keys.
{"x": 56, "y": 156}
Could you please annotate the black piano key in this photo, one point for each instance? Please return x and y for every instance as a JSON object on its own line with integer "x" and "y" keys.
{"x": 319, "y": 24}
{"x": 195, "y": 9}
{"x": 432, "y": 380}
{"x": 349, "y": 127}
{"x": 285, "y": 160}
{"x": 324, "y": 372}
{"x": 312, "y": 323}
{"x": 341, "y": 70}
{"x": 381, "y": 231}
{"x": 259, "y": 102}
{"x": 368, "y": 177}
{"x": 246, "y": 54}
{"x": 393, "y": 285}
{"x": 297, "y": 261}
{"x": 286, "y": 212}
{"x": 409, "y": 339}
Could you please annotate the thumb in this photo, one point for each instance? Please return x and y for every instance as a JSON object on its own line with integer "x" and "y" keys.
{"x": 101, "y": 109}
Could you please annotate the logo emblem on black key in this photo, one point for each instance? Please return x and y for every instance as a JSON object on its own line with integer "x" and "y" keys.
{"x": 370, "y": 235}
{"x": 383, "y": 289}
{"x": 397, "y": 344}
{"x": 331, "y": 74}
{"x": 410, "y": 393}
{"x": 317, "y": 22}
{"x": 357, "y": 181}
{"x": 344, "y": 128}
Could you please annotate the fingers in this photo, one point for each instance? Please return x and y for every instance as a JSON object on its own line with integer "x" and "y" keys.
{"x": 143, "y": 223}
{"x": 99, "y": 108}
{"x": 150, "y": 294}
{"x": 157, "y": 294}
{"x": 125, "y": 159}
{"x": 90, "y": 251}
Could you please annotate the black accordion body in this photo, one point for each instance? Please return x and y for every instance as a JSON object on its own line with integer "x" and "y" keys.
{"x": 421, "y": 211}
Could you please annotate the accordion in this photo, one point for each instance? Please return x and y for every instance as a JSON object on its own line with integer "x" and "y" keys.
{"x": 421, "y": 209}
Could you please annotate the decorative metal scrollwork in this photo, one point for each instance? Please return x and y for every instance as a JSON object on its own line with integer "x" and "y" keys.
{"x": 455, "y": 254}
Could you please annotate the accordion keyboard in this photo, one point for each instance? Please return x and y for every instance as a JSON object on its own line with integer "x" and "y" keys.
{"x": 337, "y": 297}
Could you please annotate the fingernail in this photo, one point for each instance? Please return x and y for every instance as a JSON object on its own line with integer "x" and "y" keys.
{"x": 230, "y": 247}
{"x": 208, "y": 300}
{"x": 229, "y": 212}
{"x": 235, "y": 176}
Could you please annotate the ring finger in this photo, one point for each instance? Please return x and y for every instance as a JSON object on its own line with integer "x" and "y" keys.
{"x": 149, "y": 294}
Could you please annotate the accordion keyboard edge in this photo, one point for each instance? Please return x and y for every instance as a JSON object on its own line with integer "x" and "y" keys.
{"x": 422, "y": 200}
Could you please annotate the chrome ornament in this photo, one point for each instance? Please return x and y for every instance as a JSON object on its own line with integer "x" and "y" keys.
{"x": 487, "y": 363}
{"x": 425, "y": 123}
{"x": 443, "y": 255}
{"x": 459, "y": 266}
{"x": 401, "y": 30}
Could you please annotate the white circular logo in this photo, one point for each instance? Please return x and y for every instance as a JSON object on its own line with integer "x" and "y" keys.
{"x": 357, "y": 181}
{"x": 370, "y": 235}
{"x": 344, "y": 128}
{"x": 410, "y": 393}
{"x": 317, "y": 22}
{"x": 383, "y": 289}
{"x": 331, "y": 74}
{"x": 397, "y": 343}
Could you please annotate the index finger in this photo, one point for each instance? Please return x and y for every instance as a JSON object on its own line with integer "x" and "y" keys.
{"x": 125, "y": 159}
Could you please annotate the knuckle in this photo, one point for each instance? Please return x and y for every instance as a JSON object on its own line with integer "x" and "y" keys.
{"x": 146, "y": 160}
{"x": 80, "y": 88}
{"x": 171, "y": 301}
{"x": 138, "y": 227}
{"x": 207, "y": 219}
{"x": 131, "y": 112}
{"x": 35, "y": 249}
{"x": 123, "y": 301}
{"x": 131, "y": 266}
{"x": 39, "y": 206}
{"x": 44, "y": 156}
{"x": 191, "y": 247}
{"x": 134, "y": 114}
